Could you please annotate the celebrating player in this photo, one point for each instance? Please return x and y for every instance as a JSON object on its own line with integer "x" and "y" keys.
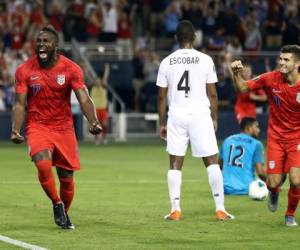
{"x": 188, "y": 78}
{"x": 283, "y": 143}
{"x": 44, "y": 83}
{"x": 241, "y": 155}
{"x": 245, "y": 105}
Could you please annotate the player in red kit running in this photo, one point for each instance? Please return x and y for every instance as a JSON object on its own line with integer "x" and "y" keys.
{"x": 43, "y": 88}
{"x": 283, "y": 143}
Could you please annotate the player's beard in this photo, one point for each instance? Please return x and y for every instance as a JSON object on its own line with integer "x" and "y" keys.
{"x": 45, "y": 62}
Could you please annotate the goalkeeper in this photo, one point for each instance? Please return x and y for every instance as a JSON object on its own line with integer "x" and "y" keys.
{"x": 242, "y": 157}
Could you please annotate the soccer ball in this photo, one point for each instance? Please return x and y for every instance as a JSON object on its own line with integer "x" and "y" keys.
{"x": 258, "y": 190}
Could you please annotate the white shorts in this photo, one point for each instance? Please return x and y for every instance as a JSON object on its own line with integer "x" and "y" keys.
{"x": 196, "y": 128}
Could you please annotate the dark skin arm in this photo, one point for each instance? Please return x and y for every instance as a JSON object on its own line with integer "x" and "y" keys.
{"x": 89, "y": 111}
{"x": 260, "y": 171}
{"x": 162, "y": 103}
{"x": 213, "y": 99}
{"x": 19, "y": 112}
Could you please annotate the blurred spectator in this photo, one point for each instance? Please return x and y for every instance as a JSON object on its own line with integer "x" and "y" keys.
{"x": 273, "y": 28}
{"x": 56, "y": 19}
{"x": 124, "y": 36}
{"x": 74, "y": 22}
{"x": 172, "y": 16}
{"x": 94, "y": 23}
{"x": 2, "y": 104}
{"x": 138, "y": 75}
{"x": 291, "y": 27}
{"x": 234, "y": 46}
{"x": 37, "y": 19}
{"x": 253, "y": 39}
{"x": 192, "y": 10}
{"x": 217, "y": 41}
{"x": 110, "y": 23}
{"x": 148, "y": 97}
{"x": 99, "y": 96}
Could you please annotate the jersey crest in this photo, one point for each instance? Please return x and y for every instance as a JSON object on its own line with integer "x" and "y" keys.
{"x": 298, "y": 97}
{"x": 60, "y": 79}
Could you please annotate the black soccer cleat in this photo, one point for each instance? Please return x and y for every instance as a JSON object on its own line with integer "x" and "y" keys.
{"x": 273, "y": 201}
{"x": 60, "y": 217}
{"x": 68, "y": 224}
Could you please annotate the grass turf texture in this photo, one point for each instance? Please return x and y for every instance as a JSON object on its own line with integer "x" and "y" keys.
{"x": 121, "y": 198}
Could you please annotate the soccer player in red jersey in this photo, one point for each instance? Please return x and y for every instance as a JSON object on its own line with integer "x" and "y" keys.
{"x": 245, "y": 105}
{"x": 283, "y": 143}
{"x": 43, "y": 88}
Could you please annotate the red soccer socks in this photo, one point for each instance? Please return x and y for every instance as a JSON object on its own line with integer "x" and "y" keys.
{"x": 47, "y": 179}
{"x": 66, "y": 191}
{"x": 293, "y": 200}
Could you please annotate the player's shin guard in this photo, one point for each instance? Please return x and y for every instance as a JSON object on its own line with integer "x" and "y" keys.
{"x": 66, "y": 191}
{"x": 293, "y": 200}
{"x": 174, "y": 185}
{"x": 215, "y": 180}
{"x": 47, "y": 179}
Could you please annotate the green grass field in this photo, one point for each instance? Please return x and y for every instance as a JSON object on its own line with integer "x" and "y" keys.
{"x": 121, "y": 198}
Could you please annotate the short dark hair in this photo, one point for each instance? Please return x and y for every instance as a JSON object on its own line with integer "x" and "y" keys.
{"x": 246, "y": 121}
{"x": 185, "y": 32}
{"x": 50, "y": 29}
{"x": 293, "y": 49}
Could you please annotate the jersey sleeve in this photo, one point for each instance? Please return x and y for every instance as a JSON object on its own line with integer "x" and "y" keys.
{"x": 258, "y": 156}
{"x": 20, "y": 81}
{"x": 77, "y": 80}
{"x": 161, "y": 80}
{"x": 258, "y": 82}
{"x": 211, "y": 74}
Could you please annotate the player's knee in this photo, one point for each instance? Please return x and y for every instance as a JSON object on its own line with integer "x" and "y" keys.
{"x": 63, "y": 173}
{"x": 44, "y": 168}
{"x": 295, "y": 181}
{"x": 42, "y": 155}
{"x": 274, "y": 181}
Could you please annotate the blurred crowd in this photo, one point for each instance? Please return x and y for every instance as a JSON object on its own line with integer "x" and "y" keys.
{"x": 145, "y": 27}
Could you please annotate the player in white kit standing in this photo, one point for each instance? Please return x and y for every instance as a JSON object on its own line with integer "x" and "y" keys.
{"x": 186, "y": 79}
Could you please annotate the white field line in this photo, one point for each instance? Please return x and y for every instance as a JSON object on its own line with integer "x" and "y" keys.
{"x": 2, "y": 182}
{"x": 20, "y": 243}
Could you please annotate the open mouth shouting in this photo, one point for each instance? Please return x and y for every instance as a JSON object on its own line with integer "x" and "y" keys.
{"x": 42, "y": 53}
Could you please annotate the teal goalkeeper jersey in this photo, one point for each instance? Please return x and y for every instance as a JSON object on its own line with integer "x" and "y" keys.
{"x": 240, "y": 153}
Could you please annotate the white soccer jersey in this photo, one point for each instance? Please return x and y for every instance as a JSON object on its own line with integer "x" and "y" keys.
{"x": 185, "y": 73}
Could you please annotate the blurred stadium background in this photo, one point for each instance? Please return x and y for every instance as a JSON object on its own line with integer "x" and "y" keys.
{"x": 133, "y": 36}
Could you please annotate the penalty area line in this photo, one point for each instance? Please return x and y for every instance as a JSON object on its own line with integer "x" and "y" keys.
{"x": 20, "y": 243}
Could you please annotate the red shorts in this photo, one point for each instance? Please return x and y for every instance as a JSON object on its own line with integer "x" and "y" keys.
{"x": 102, "y": 114}
{"x": 62, "y": 144}
{"x": 281, "y": 156}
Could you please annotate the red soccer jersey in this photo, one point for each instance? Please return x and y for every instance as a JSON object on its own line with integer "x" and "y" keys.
{"x": 48, "y": 91}
{"x": 245, "y": 106}
{"x": 284, "y": 105}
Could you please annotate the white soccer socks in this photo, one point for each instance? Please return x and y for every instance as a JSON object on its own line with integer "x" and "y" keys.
{"x": 174, "y": 185}
{"x": 215, "y": 180}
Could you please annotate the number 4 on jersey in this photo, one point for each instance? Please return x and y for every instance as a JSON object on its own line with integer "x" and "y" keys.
{"x": 184, "y": 83}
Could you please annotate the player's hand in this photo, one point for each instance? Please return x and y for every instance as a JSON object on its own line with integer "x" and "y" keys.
{"x": 236, "y": 66}
{"x": 95, "y": 128}
{"x": 15, "y": 137}
{"x": 215, "y": 123}
{"x": 163, "y": 132}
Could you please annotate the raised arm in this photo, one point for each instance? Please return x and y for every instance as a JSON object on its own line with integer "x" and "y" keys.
{"x": 19, "y": 112}
{"x": 162, "y": 104}
{"x": 239, "y": 82}
{"x": 88, "y": 109}
{"x": 105, "y": 75}
{"x": 213, "y": 99}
